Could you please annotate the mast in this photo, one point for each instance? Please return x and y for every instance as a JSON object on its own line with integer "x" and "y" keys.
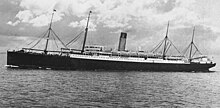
{"x": 45, "y": 50}
{"x": 86, "y": 31}
{"x": 165, "y": 41}
{"x": 191, "y": 44}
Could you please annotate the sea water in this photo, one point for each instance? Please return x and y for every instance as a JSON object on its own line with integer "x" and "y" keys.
{"x": 105, "y": 89}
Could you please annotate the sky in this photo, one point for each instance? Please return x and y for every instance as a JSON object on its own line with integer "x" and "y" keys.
{"x": 145, "y": 22}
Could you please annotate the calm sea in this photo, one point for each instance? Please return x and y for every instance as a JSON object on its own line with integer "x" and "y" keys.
{"x": 90, "y": 89}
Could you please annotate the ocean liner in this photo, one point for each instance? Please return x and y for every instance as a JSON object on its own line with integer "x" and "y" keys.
{"x": 91, "y": 57}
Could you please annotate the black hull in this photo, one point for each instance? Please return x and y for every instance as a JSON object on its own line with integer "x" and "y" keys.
{"x": 45, "y": 61}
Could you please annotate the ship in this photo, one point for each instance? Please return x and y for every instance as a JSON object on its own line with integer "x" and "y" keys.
{"x": 95, "y": 57}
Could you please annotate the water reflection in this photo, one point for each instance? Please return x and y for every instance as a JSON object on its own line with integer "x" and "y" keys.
{"x": 48, "y": 88}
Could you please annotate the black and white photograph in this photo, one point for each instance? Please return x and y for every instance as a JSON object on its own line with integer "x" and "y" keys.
{"x": 109, "y": 54}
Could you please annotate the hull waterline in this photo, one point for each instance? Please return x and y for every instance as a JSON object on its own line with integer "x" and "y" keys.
{"x": 47, "y": 61}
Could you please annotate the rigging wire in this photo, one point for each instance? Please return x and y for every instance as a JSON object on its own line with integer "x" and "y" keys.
{"x": 75, "y": 39}
{"x": 41, "y": 36}
{"x": 169, "y": 45}
{"x": 194, "y": 53}
{"x": 197, "y": 49}
{"x": 39, "y": 40}
{"x": 157, "y": 47}
{"x": 55, "y": 40}
{"x": 185, "y": 50}
{"x": 175, "y": 47}
{"x": 58, "y": 38}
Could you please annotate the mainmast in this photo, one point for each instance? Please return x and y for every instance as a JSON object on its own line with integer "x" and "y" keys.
{"x": 45, "y": 50}
{"x": 191, "y": 44}
{"x": 86, "y": 31}
{"x": 165, "y": 41}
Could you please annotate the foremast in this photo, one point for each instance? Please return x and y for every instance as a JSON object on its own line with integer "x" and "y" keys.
{"x": 49, "y": 30}
{"x": 46, "y": 35}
